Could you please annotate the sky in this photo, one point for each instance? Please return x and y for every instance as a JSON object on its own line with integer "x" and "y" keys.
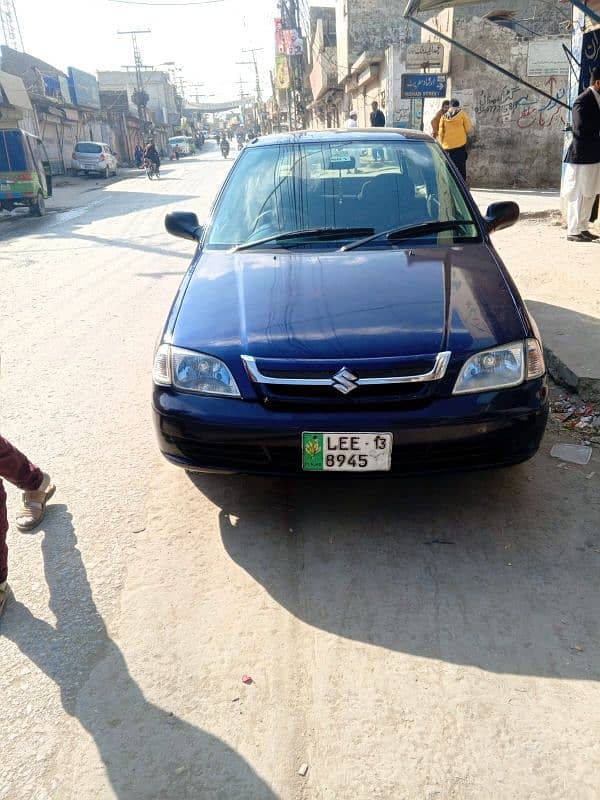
{"x": 205, "y": 41}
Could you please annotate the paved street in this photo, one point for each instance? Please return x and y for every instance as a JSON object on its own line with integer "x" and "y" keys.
{"x": 425, "y": 639}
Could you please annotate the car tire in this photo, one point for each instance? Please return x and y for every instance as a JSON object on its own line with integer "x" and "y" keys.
{"x": 106, "y": 174}
{"x": 38, "y": 208}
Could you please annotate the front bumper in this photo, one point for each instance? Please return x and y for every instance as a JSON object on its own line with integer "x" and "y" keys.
{"x": 476, "y": 431}
{"x": 95, "y": 166}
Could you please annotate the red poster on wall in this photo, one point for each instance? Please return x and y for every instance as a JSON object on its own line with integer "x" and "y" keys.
{"x": 279, "y": 45}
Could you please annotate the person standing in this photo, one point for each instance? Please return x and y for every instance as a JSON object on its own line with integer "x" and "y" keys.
{"x": 453, "y": 133}
{"x": 377, "y": 121}
{"x": 138, "y": 155}
{"x": 37, "y": 489}
{"x": 582, "y": 173}
{"x": 377, "y": 116}
{"x": 435, "y": 122}
{"x": 351, "y": 122}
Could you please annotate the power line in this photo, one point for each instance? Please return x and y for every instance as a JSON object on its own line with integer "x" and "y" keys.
{"x": 188, "y": 3}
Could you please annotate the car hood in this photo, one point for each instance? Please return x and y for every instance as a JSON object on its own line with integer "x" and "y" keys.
{"x": 359, "y": 304}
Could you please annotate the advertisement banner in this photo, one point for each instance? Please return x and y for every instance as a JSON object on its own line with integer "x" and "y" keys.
{"x": 279, "y": 47}
{"x": 282, "y": 73}
{"x": 292, "y": 42}
{"x": 84, "y": 88}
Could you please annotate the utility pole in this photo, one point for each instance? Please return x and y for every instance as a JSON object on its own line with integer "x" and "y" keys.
{"x": 259, "y": 102}
{"x": 140, "y": 96}
{"x": 242, "y": 96}
{"x": 290, "y": 21}
{"x": 254, "y": 51}
{"x": 10, "y": 25}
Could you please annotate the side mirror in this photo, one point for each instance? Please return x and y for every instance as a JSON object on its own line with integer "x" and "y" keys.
{"x": 184, "y": 224}
{"x": 501, "y": 215}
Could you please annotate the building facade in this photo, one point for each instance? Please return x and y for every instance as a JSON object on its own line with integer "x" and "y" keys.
{"x": 518, "y": 133}
{"x": 54, "y": 115}
{"x": 322, "y": 65}
{"x": 162, "y": 102}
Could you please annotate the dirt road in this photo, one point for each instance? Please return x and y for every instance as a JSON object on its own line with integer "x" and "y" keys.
{"x": 432, "y": 638}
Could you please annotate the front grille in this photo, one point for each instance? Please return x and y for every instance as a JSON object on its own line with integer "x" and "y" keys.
{"x": 403, "y": 396}
{"x": 384, "y": 370}
{"x": 279, "y": 383}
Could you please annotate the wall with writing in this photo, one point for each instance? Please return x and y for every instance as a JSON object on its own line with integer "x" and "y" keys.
{"x": 519, "y": 133}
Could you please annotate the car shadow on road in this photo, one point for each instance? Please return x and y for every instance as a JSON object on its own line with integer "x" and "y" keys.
{"x": 495, "y": 570}
{"x": 147, "y": 751}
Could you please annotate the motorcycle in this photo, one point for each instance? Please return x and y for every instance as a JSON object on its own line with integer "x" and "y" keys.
{"x": 224, "y": 147}
{"x": 152, "y": 170}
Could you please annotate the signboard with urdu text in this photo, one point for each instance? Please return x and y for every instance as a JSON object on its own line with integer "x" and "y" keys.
{"x": 546, "y": 57}
{"x": 423, "y": 85}
{"x": 84, "y": 88}
{"x": 424, "y": 54}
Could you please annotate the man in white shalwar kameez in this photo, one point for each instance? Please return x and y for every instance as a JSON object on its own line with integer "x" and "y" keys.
{"x": 582, "y": 173}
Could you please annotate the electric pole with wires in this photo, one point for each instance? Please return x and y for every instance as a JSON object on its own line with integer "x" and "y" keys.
{"x": 140, "y": 96}
{"x": 259, "y": 109}
{"x": 290, "y": 20}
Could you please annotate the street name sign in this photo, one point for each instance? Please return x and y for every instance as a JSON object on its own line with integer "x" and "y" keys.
{"x": 423, "y": 85}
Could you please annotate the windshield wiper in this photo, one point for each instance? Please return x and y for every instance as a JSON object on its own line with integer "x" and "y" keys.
{"x": 408, "y": 231}
{"x": 313, "y": 233}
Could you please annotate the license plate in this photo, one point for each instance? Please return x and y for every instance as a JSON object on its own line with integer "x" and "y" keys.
{"x": 346, "y": 452}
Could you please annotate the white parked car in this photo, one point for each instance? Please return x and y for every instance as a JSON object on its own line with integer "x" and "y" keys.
{"x": 97, "y": 157}
{"x": 183, "y": 142}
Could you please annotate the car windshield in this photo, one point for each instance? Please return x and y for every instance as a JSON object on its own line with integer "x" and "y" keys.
{"x": 88, "y": 147}
{"x": 382, "y": 185}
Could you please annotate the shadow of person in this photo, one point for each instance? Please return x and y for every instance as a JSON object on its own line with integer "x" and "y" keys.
{"x": 495, "y": 570}
{"x": 147, "y": 751}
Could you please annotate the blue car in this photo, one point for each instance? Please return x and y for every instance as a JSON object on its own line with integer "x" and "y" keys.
{"x": 345, "y": 311}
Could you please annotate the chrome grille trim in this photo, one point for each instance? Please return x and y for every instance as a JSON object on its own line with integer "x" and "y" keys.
{"x": 435, "y": 374}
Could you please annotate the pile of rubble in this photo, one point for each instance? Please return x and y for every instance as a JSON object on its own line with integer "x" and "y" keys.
{"x": 575, "y": 415}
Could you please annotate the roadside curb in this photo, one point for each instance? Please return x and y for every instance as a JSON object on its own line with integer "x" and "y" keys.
{"x": 586, "y": 386}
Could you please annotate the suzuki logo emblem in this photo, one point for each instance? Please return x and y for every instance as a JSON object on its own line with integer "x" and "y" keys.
{"x": 344, "y": 381}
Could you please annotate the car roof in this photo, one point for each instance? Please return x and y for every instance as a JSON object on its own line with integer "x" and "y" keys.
{"x": 349, "y": 134}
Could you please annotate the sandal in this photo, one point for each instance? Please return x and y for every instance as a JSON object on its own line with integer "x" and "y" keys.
{"x": 5, "y": 595}
{"x": 34, "y": 505}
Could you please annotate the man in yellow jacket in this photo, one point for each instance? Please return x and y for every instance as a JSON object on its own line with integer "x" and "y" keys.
{"x": 455, "y": 127}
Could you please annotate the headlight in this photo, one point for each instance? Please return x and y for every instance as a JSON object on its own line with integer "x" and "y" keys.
{"x": 492, "y": 369}
{"x": 501, "y": 367}
{"x": 193, "y": 372}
